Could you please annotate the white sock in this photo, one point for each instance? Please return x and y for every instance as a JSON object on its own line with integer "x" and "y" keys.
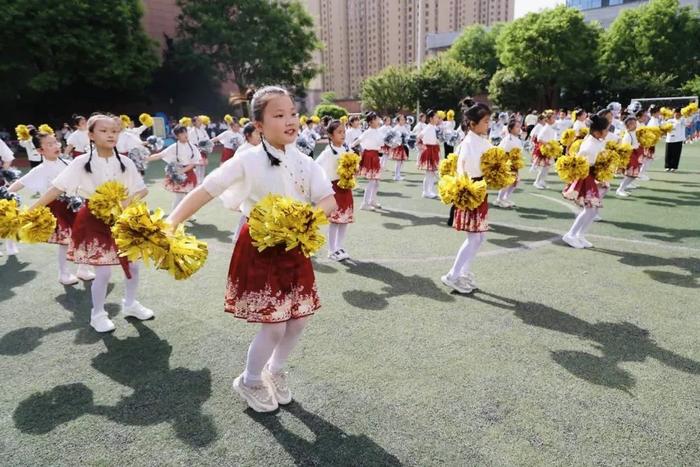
{"x": 132, "y": 284}
{"x": 502, "y": 194}
{"x": 62, "y": 260}
{"x": 625, "y": 183}
{"x": 375, "y": 190}
{"x": 285, "y": 346}
{"x": 342, "y": 229}
{"x": 509, "y": 191}
{"x": 588, "y": 222}
{"x": 261, "y": 349}
{"x": 10, "y": 246}
{"x": 199, "y": 171}
{"x": 431, "y": 182}
{"x": 542, "y": 175}
{"x": 332, "y": 238}
{"x": 178, "y": 199}
{"x": 581, "y": 220}
{"x": 466, "y": 254}
{"x": 367, "y": 197}
{"x": 98, "y": 288}
{"x": 397, "y": 170}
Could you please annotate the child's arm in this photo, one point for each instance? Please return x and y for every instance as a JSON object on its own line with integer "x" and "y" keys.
{"x": 327, "y": 204}
{"x": 15, "y": 187}
{"x": 50, "y": 195}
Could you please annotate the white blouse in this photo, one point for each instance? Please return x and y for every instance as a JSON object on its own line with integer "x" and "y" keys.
{"x": 653, "y": 121}
{"x": 130, "y": 138}
{"x": 182, "y": 154}
{"x": 40, "y": 177}
{"x": 590, "y": 148}
{"x": 32, "y": 153}
{"x": 578, "y": 125}
{"x": 470, "y": 151}
{"x": 80, "y": 141}
{"x": 227, "y": 136}
{"x": 429, "y": 135}
{"x": 536, "y": 131}
{"x": 547, "y": 133}
{"x": 678, "y": 133}
{"x": 351, "y": 135}
{"x": 371, "y": 139}
{"x": 510, "y": 142}
{"x": 329, "y": 161}
{"x": 6, "y": 154}
{"x": 449, "y": 124}
{"x": 76, "y": 180}
{"x": 247, "y": 178}
{"x": 195, "y": 135}
{"x": 630, "y": 138}
{"x": 419, "y": 127}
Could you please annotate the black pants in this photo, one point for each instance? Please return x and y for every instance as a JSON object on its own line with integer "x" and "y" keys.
{"x": 448, "y": 149}
{"x": 33, "y": 164}
{"x": 529, "y": 130}
{"x": 673, "y": 154}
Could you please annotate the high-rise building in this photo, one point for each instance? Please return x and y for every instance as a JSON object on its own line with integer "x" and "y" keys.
{"x": 361, "y": 37}
{"x": 605, "y": 11}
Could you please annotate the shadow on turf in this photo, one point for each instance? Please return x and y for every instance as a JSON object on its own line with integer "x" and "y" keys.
{"x": 691, "y": 265}
{"x": 12, "y": 275}
{"x": 331, "y": 445}
{"x": 618, "y": 343}
{"x": 160, "y": 394}
{"x": 665, "y": 234}
{"x": 397, "y": 285}
{"x": 415, "y": 221}
{"x": 210, "y": 231}
{"x": 517, "y": 237}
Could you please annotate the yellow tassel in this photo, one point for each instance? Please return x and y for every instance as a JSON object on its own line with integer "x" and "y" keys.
{"x": 567, "y": 137}
{"x": 140, "y": 234}
{"x": 665, "y": 128}
{"x": 303, "y": 119}
{"x": 10, "y": 221}
{"x": 450, "y": 115}
{"x": 277, "y": 220}
{"x": 551, "y": 149}
{"x": 204, "y": 119}
{"x": 185, "y": 121}
{"x": 648, "y": 136}
{"x": 348, "y": 164}
{"x": 572, "y": 168}
{"x": 243, "y": 120}
{"x": 666, "y": 113}
{"x": 146, "y": 120}
{"x": 605, "y": 165}
{"x": 574, "y": 148}
{"x": 44, "y": 128}
{"x": 689, "y": 109}
{"x": 448, "y": 166}
{"x": 186, "y": 255}
{"x": 583, "y": 132}
{"x": 343, "y": 119}
{"x": 228, "y": 119}
{"x": 37, "y": 225}
{"x": 22, "y": 132}
{"x": 516, "y": 159}
{"x": 315, "y": 119}
{"x": 462, "y": 191}
{"x": 126, "y": 121}
{"x": 106, "y": 203}
{"x": 495, "y": 166}
{"x": 441, "y": 114}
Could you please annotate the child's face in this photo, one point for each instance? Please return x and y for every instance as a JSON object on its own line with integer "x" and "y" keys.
{"x": 550, "y": 120}
{"x": 632, "y": 125}
{"x": 50, "y": 148}
{"x": 254, "y": 138}
{"x": 105, "y": 133}
{"x": 182, "y": 137}
{"x": 355, "y": 124}
{"x": 516, "y": 130}
{"x": 280, "y": 121}
{"x": 338, "y": 136}
{"x": 434, "y": 120}
{"x": 374, "y": 123}
{"x": 82, "y": 124}
{"x": 402, "y": 120}
{"x": 482, "y": 127}
{"x": 387, "y": 121}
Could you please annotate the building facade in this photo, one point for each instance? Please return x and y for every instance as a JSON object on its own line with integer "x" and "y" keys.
{"x": 605, "y": 11}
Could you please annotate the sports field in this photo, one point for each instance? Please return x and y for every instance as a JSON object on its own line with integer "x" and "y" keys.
{"x": 563, "y": 357}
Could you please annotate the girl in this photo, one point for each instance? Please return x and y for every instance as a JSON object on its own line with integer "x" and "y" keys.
{"x": 186, "y": 157}
{"x": 353, "y": 130}
{"x": 648, "y": 156}
{"x": 273, "y": 287}
{"x": 448, "y": 125}
{"x": 371, "y": 141}
{"x": 430, "y": 154}
{"x": 474, "y": 222}
{"x": 511, "y": 141}
{"x": 130, "y": 137}
{"x": 6, "y": 158}
{"x": 197, "y": 135}
{"x": 497, "y": 129}
{"x": 547, "y": 133}
{"x": 632, "y": 169}
{"x": 343, "y": 215}
{"x": 580, "y": 121}
{"x": 39, "y": 180}
{"x": 400, "y": 153}
{"x": 674, "y": 141}
{"x": 78, "y": 143}
{"x": 384, "y": 150}
{"x": 251, "y": 135}
{"x": 32, "y": 154}
{"x": 228, "y": 139}
{"x": 534, "y": 143}
{"x": 91, "y": 239}
{"x": 586, "y": 192}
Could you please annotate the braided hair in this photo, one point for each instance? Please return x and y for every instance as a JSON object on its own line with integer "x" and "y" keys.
{"x": 91, "y": 126}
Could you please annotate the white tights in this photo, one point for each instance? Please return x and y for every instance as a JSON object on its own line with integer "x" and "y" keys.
{"x": 397, "y": 170}
{"x": 504, "y": 193}
{"x": 62, "y": 260}
{"x": 370, "y": 196}
{"x": 272, "y": 345}
{"x": 625, "y": 183}
{"x": 429, "y": 183}
{"x": 98, "y": 290}
{"x": 336, "y": 236}
{"x": 542, "y": 175}
{"x": 582, "y": 222}
{"x": 466, "y": 254}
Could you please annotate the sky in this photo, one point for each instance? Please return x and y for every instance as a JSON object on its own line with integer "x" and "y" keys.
{"x": 526, "y": 6}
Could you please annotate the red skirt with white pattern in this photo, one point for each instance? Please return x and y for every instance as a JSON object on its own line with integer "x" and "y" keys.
{"x": 585, "y": 192}
{"x": 429, "y": 158}
{"x": 64, "y": 222}
{"x": 370, "y": 167}
{"x": 399, "y": 153}
{"x": 635, "y": 163}
{"x": 227, "y": 154}
{"x": 269, "y": 286}
{"x": 188, "y": 185}
{"x": 538, "y": 159}
{"x": 473, "y": 220}
{"x": 345, "y": 212}
{"x": 92, "y": 242}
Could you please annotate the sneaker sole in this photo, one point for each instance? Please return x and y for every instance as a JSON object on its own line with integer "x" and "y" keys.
{"x": 280, "y": 401}
{"x": 251, "y": 403}
{"x": 456, "y": 288}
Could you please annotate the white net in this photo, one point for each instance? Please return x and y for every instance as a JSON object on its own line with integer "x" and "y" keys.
{"x": 670, "y": 102}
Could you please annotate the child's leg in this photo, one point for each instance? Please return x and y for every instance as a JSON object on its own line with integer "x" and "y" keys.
{"x": 132, "y": 284}
{"x": 260, "y": 350}
{"x": 341, "y": 230}
{"x": 286, "y": 345}
{"x": 465, "y": 254}
{"x": 332, "y": 238}
{"x": 62, "y": 260}
{"x": 367, "y": 197}
{"x": 11, "y": 247}
{"x": 98, "y": 289}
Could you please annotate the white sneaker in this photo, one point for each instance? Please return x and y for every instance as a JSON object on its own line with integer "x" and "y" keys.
{"x": 68, "y": 279}
{"x": 572, "y": 241}
{"x": 500, "y": 203}
{"x": 84, "y": 273}
{"x": 456, "y": 285}
{"x": 584, "y": 243}
{"x": 376, "y": 205}
{"x": 538, "y": 186}
{"x": 342, "y": 255}
{"x": 468, "y": 280}
{"x": 258, "y": 397}
{"x": 100, "y": 322}
{"x": 622, "y": 194}
{"x": 367, "y": 207}
{"x": 333, "y": 256}
{"x": 278, "y": 383}
{"x": 509, "y": 203}
{"x": 136, "y": 310}
{"x": 644, "y": 177}
{"x": 597, "y": 218}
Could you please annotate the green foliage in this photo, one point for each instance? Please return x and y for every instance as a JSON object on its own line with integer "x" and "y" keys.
{"x": 692, "y": 86}
{"x": 251, "y": 42}
{"x": 328, "y": 97}
{"x": 442, "y": 82}
{"x": 391, "y": 90}
{"x": 510, "y": 91}
{"x": 476, "y": 48}
{"x": 332, "y": 110}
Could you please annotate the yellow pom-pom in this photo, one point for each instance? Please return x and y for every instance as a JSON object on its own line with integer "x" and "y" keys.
{"x": 583, "y": 132}
{"x": 343, "y": 119}
{"x": 10, "y": 222}
{"x": 689, "y": 109}
{"x": 572, "y": 168}
{"x": 278, "y": 220}
{"x": 45, "y": 128}
{"x": 348, "y": 164}
{"x": 186, "y": 255}
{"x": 243, "y": 121}
{"x": 441, "y": 114}
{"x": 461, "y": 191}
{"x": 574, "y": 148}
{"x": 665, "y": 128}
{"x": 126, "y": 121}
{"x": 648, "y": 136}
{"x": 448, "y": 166}
{"x": 22, "y": 132}
{"x": 106, "y": 203}
{"x": 516, "y": 159}
{"x": 185, "y": 121}
{"x": 204, "y": 120}
{"x": 303, "y": 119}
{"x": 315, "y": 119}
{"x": 568, "y": 137}
{"x": 605, "y": 165}
{"x": 450, "y": 115}
{"x": 495, "y": 166}
{"x": 37, "y": 225}
{"x": 140, "y": 234}
{"x": 666, "y": 113}
{"x": 228, "y": 118}
{"x": 551, "y": 149}
{"x": 146, "y": 119}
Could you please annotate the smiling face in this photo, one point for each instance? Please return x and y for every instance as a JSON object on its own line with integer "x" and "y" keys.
{"x": 49, "y": 148}
{"x": 104, "y": 132}
{"x": 279, "y": 123}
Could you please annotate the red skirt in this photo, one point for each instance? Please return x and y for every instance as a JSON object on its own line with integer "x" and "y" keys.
{"x": 75, "y": 153}
{"x": 227, "y": 154}
{"x": 64, "y": 222}
{"x": 399, "y": 153}
{"x": 92, "y": 242}
{"x": 189, "y": 184}
{"x": 584, "y": 192}
{"x": 538, "y": 159}
{"x": 429, "y": 158}
{"x": 474, "y": 220}
{"x": 344, "y": 213}
{"x": 269, "y": 286}
{"x": 369, "y": 165}
{"x": 635, "y": 163}
{"x": 648, "y": 154}
{"x": 205, "y": 159}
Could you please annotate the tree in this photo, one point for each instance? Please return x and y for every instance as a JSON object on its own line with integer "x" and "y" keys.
{"x": 476, "y": 48}
{"x": 251, "y": 42}
{"x": 509, "y": 91}
{"x": 391, "y": 90}
{"x": 692, "y": 86}
{"x": 555, "y": 48}
{"x": 443, "y": 81}
{"x": 651, "y": 50}
{"x": 331, "y": 110}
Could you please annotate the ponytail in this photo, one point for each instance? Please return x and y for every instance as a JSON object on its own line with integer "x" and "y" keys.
{"x": 274, "y": 162}
{"x": 87, "y": 166}
{"x": 119, "y": 158}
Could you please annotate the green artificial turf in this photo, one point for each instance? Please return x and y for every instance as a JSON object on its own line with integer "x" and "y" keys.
{"x": 563, "y": 357}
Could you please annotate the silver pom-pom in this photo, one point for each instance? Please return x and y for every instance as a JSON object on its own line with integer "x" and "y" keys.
{"x": 440, "y": 134}
{"x": 450, "y": 137}
{"x": 171, "y": 172}
{"x": 393, "y": 138}
{"x": 155, "y": 143}
{"x": 139, "y": 156}
{"x": 409, "y": 139}
{"x": 4, "y": 194}
{"x": 75, "y": 203}
{"x": 305, "y": 145}
{"x": 206, "y": 146}
{"x": 10, "y": 175}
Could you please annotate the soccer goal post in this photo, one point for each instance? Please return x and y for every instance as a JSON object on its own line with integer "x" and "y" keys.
{"x": 671, "y": 102}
